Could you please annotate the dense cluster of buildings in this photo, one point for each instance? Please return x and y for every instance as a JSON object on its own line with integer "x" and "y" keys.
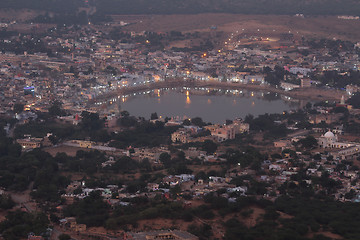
{"x": 80, "y": 65}
{"x": 83, "y": 64}
{"x": 217, "y": 132}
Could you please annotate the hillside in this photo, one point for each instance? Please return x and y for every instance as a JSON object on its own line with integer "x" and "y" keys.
{"x": 309, "y": 7}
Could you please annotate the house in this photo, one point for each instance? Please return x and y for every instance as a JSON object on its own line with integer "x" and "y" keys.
{"x": 255, "y": 79}
{"x": 222, "y": 133}
{"x": 29, "y": 143}
{"x": 288, "y": 86}
{"x": 326, "y": 118}
{"x": 282, "y": 144}
{"x": 181, "y": 135}
{"x": 161, "y": 234}
{"x": 275, "y": 167}
{"x": 303, "y": 71}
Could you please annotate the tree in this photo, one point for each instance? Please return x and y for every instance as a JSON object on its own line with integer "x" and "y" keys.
{"x": 91, "y": 121}
{"x": 354, "y": 100}
{"x": 186, "y": 122}
{"x": 64, "y": 236}
{"x": 165, "y": 159}
{"x": 92, "y": 210}
{"x": 197, "y": 121}
{"x": 18, "y": 224}
{"x": 209, "y": 146}
{"x": 308, "y": 105}
{"x": 55, "y": 109}
{"x": 18, "y": 108}
{"x": 154, "y": 116}
{"x": 124, "y": 113}
{"x": 309, "y": 142}
{"x": 72, "y": 69}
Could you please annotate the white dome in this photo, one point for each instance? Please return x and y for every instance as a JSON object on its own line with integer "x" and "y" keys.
{"x": 329, "y": 134}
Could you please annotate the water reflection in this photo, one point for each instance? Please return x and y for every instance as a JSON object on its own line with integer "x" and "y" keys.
{"x": 213, "y": 105}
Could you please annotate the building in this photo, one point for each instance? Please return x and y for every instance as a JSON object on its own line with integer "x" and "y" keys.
{"x": 223, "y": 133}
{"x": 347, "y": 153}
{"x": 330, "y": 140}
{"x": 351, "y": 89}
{"x": 326, "y": 118}
{"x": 288, "y": 86}
{"x": 29, "y": 90}
{"x": 339, "y": 150}
{"x": 255, "y": 79}
{"x": 305, "y": 82}
{"x": 161, "y": 235}
{"x": 181, "y": 135}
{"x": 29, "y": 143}
{"x": 283, "y": 144}
{"x": 240, "y": 126}
{"x": 303, "y": 71}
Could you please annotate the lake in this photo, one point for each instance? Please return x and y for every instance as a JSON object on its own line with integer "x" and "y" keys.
{"x": 212, "y": 105}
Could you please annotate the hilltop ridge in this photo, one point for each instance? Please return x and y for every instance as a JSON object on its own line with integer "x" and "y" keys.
{"x": 281, "y": 7}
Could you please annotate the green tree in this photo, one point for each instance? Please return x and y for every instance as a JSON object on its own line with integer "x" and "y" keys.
{"x": 18, "y": 108}
{"x": 354, "y": 100}
{"x": 154, "y": 116}
{"x": 309, "y": 142}
{"x": 165, "y": 159}
{"x": 55, "y": 109}
{"x": 64, "y": 236}
{"x": 209, "y": 146}
{"x": 197, "y": 121}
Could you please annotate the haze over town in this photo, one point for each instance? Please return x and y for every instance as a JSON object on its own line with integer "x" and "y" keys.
{"x": 191, "y": 119}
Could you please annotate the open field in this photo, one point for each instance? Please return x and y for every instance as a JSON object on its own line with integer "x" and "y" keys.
{"x": 261, "y": 25}
{"x": 18, "y": 15}
{"x": 70, "y": 151}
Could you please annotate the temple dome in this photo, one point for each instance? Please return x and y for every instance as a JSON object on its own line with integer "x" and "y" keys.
{"x": 329, "y": 134}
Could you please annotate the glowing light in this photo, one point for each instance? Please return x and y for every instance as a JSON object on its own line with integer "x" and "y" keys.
{"x": 187, "y": 93}
{"x": 188, "y": 101}
{"x": 156, "y": 78}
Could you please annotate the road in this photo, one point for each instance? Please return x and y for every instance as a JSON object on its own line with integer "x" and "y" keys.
{"x": 23, "y": 199}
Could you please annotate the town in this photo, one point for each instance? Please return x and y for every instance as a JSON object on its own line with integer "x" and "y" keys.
{"x": 75, "y": 165}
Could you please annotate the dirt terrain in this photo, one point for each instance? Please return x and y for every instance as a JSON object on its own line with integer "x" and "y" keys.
{"x": 260, "y": 25}
{"x": 257, "y": 25}
{"x": 18, "y": 15}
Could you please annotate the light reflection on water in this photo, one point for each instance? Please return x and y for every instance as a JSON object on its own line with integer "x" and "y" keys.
{"x": 211, "y": 106}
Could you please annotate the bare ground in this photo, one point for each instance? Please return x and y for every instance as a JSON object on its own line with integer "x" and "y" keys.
{"x": 260, "y": 25}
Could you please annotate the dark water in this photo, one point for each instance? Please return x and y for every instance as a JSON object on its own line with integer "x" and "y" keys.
{"x": 212, "y": 106}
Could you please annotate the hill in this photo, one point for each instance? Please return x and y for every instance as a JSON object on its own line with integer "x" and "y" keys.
{"x": 309, "y": 7}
